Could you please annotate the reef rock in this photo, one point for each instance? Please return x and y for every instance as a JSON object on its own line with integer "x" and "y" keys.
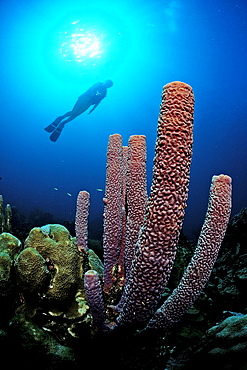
{"x": 229, "y": 276}
{"x": 9, "y": 249}
{"x": 224, "y": 346}
{"x": 36, "y": 348}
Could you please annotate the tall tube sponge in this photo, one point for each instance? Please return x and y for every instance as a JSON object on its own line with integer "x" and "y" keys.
{"x": 135, "y": 201}
{"x": 136, "y": 198}
{"x": 5, "y": 217}
{"x": 81, "y": 220}
{"x": 121, "y": 267}
{"x": 8, "y": 218}
{"x": 156, "y": 246}
{"x": 112, "y": 209}
{"x": 2, "y": 218}
{"x": 201, "y": 265}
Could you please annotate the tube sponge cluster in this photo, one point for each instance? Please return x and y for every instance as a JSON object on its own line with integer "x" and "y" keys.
{"x": 156, "y": 246}
{"x": 147, "y": 230}
{"x": 125, "y": 203}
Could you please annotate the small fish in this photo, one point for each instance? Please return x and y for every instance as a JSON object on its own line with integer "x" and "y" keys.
{"x": 55, "y": 188}
{"x": 70, "y": 195}
{"x": 99, "y": 189}
{"x": 1, "y": 178}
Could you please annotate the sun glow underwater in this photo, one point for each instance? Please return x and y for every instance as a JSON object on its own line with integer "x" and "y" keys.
{"x": 86, "y": 47}
{"x": 81, "y": 44}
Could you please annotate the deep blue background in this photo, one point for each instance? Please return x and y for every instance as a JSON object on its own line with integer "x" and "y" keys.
{"x": 202, "y": 43}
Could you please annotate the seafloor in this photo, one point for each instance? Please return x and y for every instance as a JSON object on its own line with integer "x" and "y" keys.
{"x": 212, "y": 333}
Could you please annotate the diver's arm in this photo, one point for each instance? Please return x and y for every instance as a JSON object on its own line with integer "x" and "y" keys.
{"x": 95, "y": 106}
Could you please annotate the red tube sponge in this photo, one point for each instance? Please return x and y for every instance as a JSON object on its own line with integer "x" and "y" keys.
{"x": 201, "y": 265}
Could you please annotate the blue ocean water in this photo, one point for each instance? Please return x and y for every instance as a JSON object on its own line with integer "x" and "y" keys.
{"x": 52, "y": 51}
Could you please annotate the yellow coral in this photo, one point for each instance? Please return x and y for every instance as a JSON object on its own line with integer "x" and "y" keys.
{"x": 58, "y": 251}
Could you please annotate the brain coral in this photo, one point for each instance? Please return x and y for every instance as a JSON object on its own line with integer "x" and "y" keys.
{"x": 49, "y": 264}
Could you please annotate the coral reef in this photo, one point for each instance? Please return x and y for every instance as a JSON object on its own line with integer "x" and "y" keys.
{"x": 67, "y": 300}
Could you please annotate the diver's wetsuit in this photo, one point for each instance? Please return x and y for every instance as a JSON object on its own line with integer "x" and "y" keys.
{"x": 92, "y": 96}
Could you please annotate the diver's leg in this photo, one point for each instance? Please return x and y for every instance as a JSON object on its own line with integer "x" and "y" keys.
{"x": 76, "y": 111}
{"x": 56, "y": 133}
{"x": 71, "y": 117}
{"x": 55, "y": 124}
{"x": 67, "y": 114}
{"x": 77, "y": 107}
{"x": 82, "y": 104}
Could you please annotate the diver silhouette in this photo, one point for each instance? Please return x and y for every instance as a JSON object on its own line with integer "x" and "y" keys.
{"x": 92, "y": 96}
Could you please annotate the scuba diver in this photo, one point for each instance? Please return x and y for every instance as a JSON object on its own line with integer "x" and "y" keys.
{"x": 92, "y": 96}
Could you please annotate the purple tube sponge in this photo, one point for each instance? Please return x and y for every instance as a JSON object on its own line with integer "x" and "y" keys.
{"x": 92, "y": 287}
{"x": 112, "y": 209}
{"x": 81, "y": 220}
{"x": 136, "y": 195}
{"x": 135, "y": 201}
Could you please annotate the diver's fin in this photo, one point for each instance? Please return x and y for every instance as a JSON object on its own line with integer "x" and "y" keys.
{"x": 53, "y": 125}
{"x": 56, "y": 133}
{"x": 50, "y": 128}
